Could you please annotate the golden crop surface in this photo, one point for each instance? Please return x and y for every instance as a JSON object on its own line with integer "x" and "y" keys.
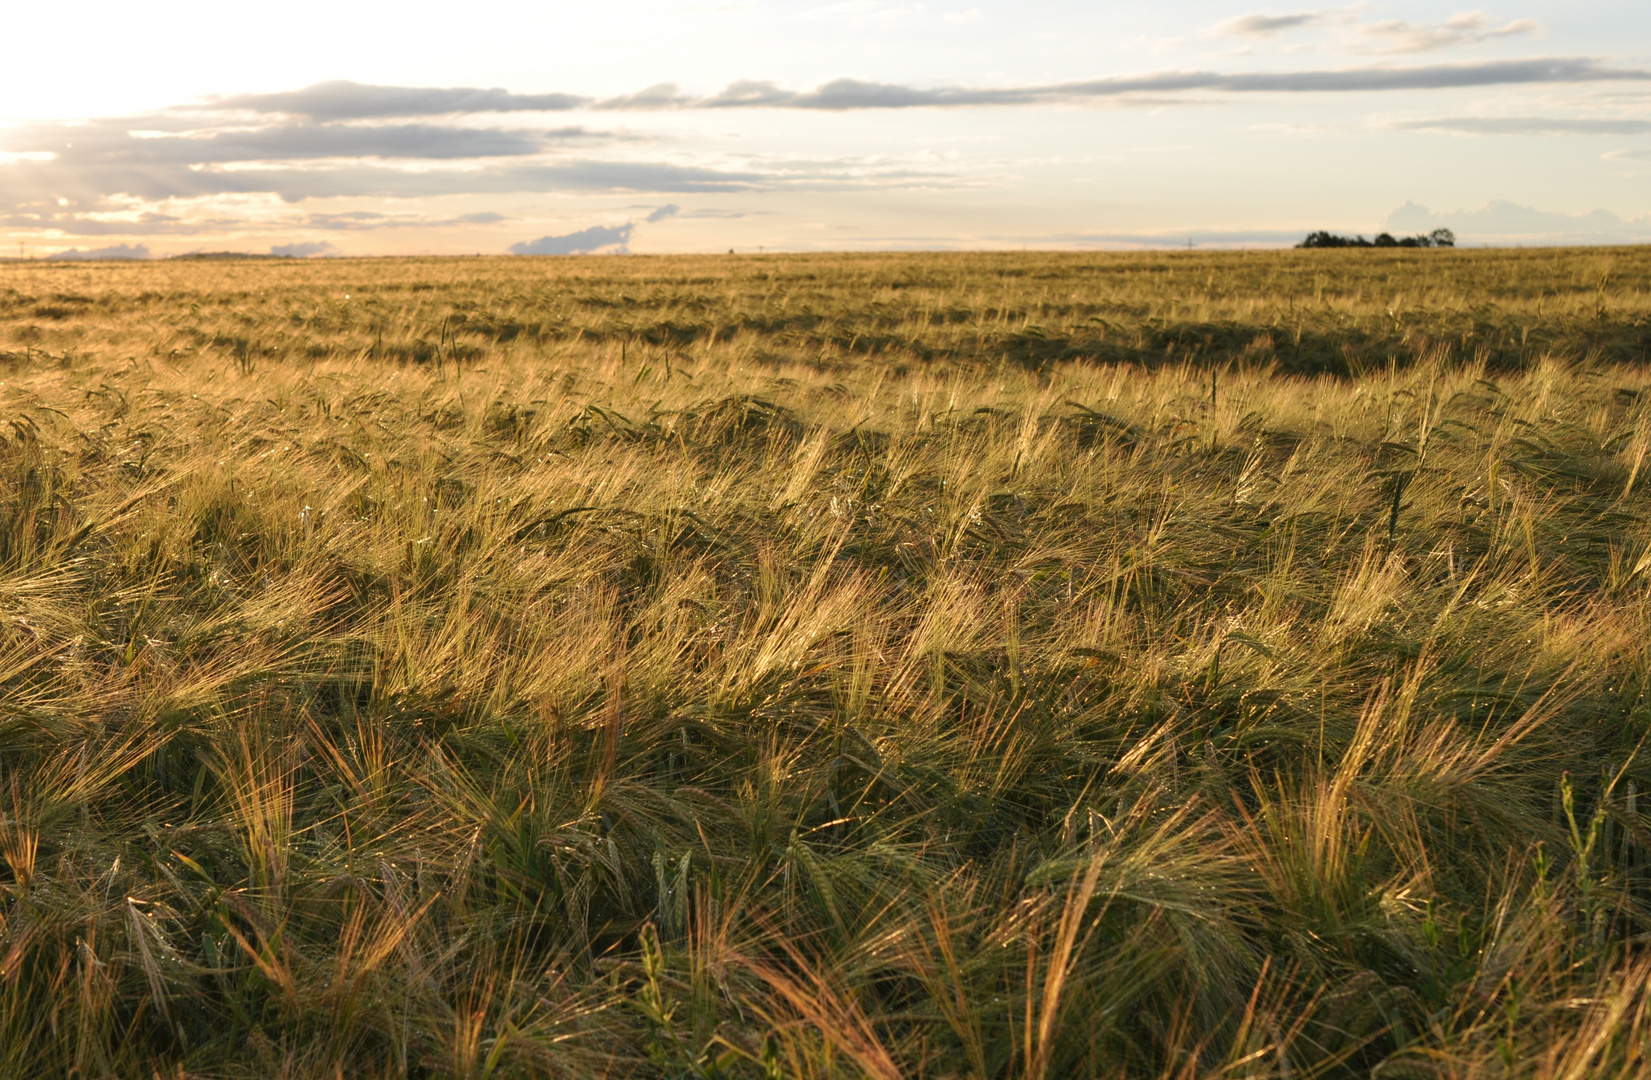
{"x": 1011, "y": 666}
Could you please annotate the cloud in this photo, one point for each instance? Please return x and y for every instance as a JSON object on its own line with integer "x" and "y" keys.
{"x": 371, "y": 219}
{"x": 353, "y": 219}
{"x": 1509, "y": 223}
{"x": 344, "y": 100}
{"x": 1386, "y": 36}
{"x": 1525, "y": 125}
{"x": 1394, "y": 36}
{"x": 30, "y": 191}
{"x": 63, "y": 172}
{"x": 127, "y": 142}
{"x": 578, "y": 243}
{"x": 353, "y": 101}
{"x": 197, "y": 169}
{"x": 745, "y": 93}
{"x": 1266, "y": 26}
{"x": 658, "y": 96}
{"x": 1629, "y": 155}
{"x": 850, "y": 94}
{"x": 118, "y": 251}
{"x": 73, "y": 224}
{"x": 585, "y": 176}
{"x": 596, "y": 237}
{"x": 304, "y": 250}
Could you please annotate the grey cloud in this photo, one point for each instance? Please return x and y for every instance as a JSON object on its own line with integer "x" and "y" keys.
{"x": 95, "y": 160}
{"x": 349, "y": 219}
{"x": 854, "y": 94}
{"x": 297, "y": 143}
{"x": 345, "y": 100}
{"x": 1525, "y": 125}
{"x": 750, "y": 93}
{"x": 30, "y": 190}
{"x": 659, "y": 96}
{"x": 577, "y": 243}
{"x": 486, "y": 217}
{"x": 294, "y": 185}
{"x": 848, "y": 94}
{"x": 1425, "y": 77}
{"x": 593, "y": 238}
{"x": 140, "y": 225}
{"x": 112, "y": 142}
{"x": 304, "y": 250}
{"x": 118, "y": 251}
{"x": 1269, "y": 25}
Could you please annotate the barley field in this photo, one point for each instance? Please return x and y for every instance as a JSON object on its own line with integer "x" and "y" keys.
{"x": 939, "y": 666}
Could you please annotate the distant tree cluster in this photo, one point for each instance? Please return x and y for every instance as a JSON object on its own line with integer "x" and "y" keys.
{"x": 1438, "y": 238}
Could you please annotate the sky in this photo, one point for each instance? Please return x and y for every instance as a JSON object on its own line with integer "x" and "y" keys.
{"x": 794, "y": 125}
